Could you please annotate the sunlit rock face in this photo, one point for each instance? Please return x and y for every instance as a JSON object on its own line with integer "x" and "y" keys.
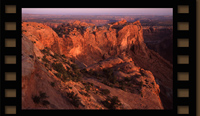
{"x": 118, "y": 47}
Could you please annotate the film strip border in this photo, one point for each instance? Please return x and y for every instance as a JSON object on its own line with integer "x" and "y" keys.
{"x": 10, "y": 58}
{"x": 184, "y": 55}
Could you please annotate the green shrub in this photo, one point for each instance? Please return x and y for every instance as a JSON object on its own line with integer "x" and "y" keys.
{"x": 45, "y": 102}
{"x": 137, "y": 76}
{"x": 110, "y": 75}
{"x": 57, "y": 75}
{"x": 142, "y": 72}
{"x": 111, "y": 103}
{"x": 112, "y": 79}
{"x": 75, "y": 100}
{"x": 72, "y": 59}
{"x": 95, "y": 73}
{"x": 36, "y": 99}
{"x": 43, "y": 95}
{"x": 63, "y": 56}
{"x": 141, "y": 94}
{"x": 58, "y": 67}
{"x": 52, "y": 84}
{"x": 90, "y": 72}
{"x": 127, "y": 79}
{"x": 105, "y": 91}
{"x": 92, "y": 84}
{"x": 76, "y": 78}
{"x": 66, "y": 76}
{"x": 41, "y": 99}
{"x": 122, "y": 85}
{"x": 84, "y": 71}
{"x": 56, "y": 56}
{"x": 45, "y": 50}
{"x": 46, "y": 65}
{"x": 44, "y": 59}
{"x": 85, "y": 94}
{"x": 106, "y": 82}
{"x": 31, "y": 56}
{"x": 74, "y": 66}
{"x": 67, "y": 62}
{"x": 141, "y": 84}
{"x": 108, "y": 72}
{"x": 87, "y": 87}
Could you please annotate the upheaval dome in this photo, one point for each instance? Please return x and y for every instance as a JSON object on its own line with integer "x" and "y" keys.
{"x": 82, "y": 66}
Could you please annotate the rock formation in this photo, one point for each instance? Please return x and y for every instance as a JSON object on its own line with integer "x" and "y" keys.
{"x": 111, "y": 60}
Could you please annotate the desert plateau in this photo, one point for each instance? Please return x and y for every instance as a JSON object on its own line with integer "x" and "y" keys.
{"x": 97, "y": 62}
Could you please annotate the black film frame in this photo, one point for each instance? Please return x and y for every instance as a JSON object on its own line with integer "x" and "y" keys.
{"x": 191, "y": 51}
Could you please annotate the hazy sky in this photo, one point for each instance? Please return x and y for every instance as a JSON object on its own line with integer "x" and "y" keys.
{"x": 99, "y": 11}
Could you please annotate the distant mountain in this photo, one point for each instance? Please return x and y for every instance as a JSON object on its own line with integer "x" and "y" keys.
{"x": 99, "y": 20}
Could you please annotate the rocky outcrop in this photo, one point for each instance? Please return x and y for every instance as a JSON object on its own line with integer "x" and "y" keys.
{"x": 116, "y": 46}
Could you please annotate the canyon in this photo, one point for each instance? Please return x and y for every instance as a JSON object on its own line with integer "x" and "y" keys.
{"x": 79, "y": 65}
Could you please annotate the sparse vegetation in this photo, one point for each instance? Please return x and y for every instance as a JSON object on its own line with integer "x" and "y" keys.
{"x": 137, "y": 76}
{"x": 75, "y": 100}
{"x": 31, "y": 56}
{"x": 43, "y": 95}
{"x": 46, "y": 65}
{"x": 111, "y": 102}
{"x": 58, "y": 67}
{"x": 141, "y": 84}
{"x": 72, "y": 59}
{"x": 45, "y": 50}
{"x": 52, "y": 84}
{"x": 110, "y": 75}
{"x": 105, "y": 81}
{"x": 127, "y": 79}
{"x": 105, "y": 91}
{"x": 41, "y": 99}
{"x": 63, "y": 56}
{"x": 44, "y": 59}
{"x": 57, "y": 75}
{"x": 142, "y": 94}
{"x": 122, "y": 85}
{"x": 66, "y": 75}
{"x": 88, "y": 85}
{"x": 36, "y": 99}
{"x": 142, "y": 72}
{"x": 85, "y": 94}
{"x": 84, "y": 71}
{"x": 56, "y": 56}
{"x": 90, "y": 72}
{"x": 74, "y": 66}
{"x": 45, "y": 102}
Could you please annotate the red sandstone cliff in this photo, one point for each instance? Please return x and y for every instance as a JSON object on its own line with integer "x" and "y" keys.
{"x": 117, "y": 47}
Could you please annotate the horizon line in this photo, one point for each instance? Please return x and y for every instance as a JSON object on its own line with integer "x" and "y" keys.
{"x": 103, "y": 14}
